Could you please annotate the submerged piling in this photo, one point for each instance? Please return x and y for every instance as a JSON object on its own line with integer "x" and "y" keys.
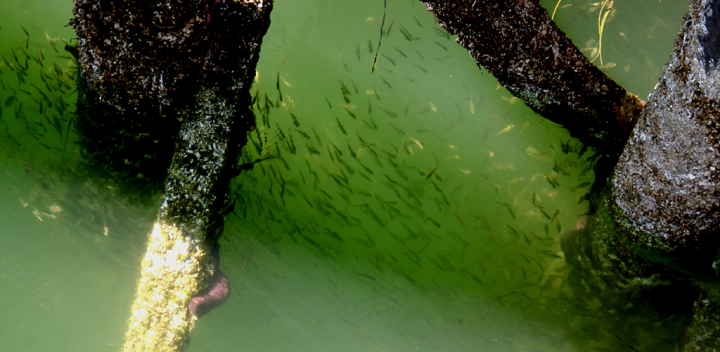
{"x": 518, "y": 43}
{"x": 187, "y": 66}
{"x": 666, "y": 186}
{"x": 178, "y": 262}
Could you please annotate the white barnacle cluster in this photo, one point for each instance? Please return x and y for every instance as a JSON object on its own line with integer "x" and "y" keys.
{"x": 172, "y": 269}
{"x": 139, "y": 315}
{"x": 169, "y": 250}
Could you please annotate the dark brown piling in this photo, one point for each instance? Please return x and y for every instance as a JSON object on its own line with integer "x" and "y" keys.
{"x": 530, "y": 56}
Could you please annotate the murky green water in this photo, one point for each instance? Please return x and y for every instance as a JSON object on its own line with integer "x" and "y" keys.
{"x": 415, "y": 208}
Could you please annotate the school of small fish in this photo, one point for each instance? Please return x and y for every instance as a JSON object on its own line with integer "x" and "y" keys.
{"x": 360, "y": 183}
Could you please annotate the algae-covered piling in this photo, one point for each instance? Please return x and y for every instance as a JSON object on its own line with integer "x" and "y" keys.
{"x": 187, "y": 66}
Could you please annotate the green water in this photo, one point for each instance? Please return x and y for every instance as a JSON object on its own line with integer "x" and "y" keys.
{"x": 383, "y": 244}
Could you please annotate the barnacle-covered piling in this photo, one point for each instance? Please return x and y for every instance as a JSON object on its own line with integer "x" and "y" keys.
{"x": 666, "y": 186}
{"x": 653, "y": 237}
{"x": 190, "y": 222}
{"x": 667, "y": 182}
{"x": 177, "y": 71}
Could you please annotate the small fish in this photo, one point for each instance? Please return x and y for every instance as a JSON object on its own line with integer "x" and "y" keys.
{"x": 418, "y": 143}
{"x": 399, "y": 131}
{"x": 10, "y": 101}
{"x": 420, "y": 67}
{"x": 553, "y": 194}
{"x": 541, "y": 156}
{"x": 37, "y": 214}
{"x": 452, "y": 147}
{"x": 351, "y": 113}
{"x": 317, "y": 136}
{"x": 516, "y": 180}
{"x": 433, "y": 221}
{"x": 291, "y": 101}
{"x": 442, "y": 46}
{"x": 305, "y": 135}
{"x": 408, "y": 36}
{"x": 388, "y": 112}
{"x": 345, "y": 92}
{"x": 472, "y": 107}
{"x": 550, "y": 181}
{"x": 286, "y": 82}
{"x": 434, "y": 108}
{"x": 507, "y": 276}
{"x": 389, "y": 59}
{"x": 524, "y": 126}
{"x": 407, "y": 108}
{"x": 418, "y": 22}
{"x": 489, "y": 153}
{"x": 506, "y": 129}
{"x": 466, "y": 172}
{"x": 295, "y": 120}
{"x": 428, "y": 177}
{"x": 27, "y": 42}
{"x": 408, "y": 149}
{"x": 545, "y": 214}
{"x": 557, "y": 212}
{"x": 352, "y": 152}
{"x": 531, "y": 151}
{"x": 454, "y": 157}
{"x": 386, "y": 82}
